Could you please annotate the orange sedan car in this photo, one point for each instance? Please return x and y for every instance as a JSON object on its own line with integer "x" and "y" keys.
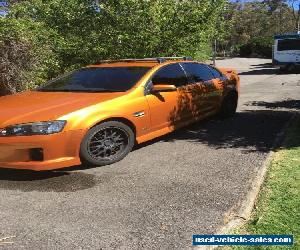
{"x": 95, "y": 115}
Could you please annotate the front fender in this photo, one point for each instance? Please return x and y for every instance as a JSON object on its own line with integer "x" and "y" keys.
{"x": 88, "y": 117}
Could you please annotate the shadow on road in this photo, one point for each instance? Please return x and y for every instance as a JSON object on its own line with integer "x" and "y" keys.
{"x": 261, "y": 71}
{"x": 288, "y": 104}
{"x": 262, "y": 65}
{"x": 46, "y": 181}
{"x": 248, "y": 130}
{"x": 266, "y": 69}
{"x": 27, "y": 175}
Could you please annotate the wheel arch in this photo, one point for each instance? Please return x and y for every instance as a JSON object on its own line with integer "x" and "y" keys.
{"x": 117, "y": 119}
{"x": 232, "y": 92}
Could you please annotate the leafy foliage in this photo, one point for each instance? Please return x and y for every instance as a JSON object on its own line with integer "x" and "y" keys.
{"x": 255, "y": 23}
{"x": 260, "y": 46}
{"x": 26, "y": 55}
{"x": 55, "y": 36}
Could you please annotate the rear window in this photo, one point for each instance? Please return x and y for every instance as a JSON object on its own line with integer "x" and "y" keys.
{"x": 216, "y": 73}
{"x": 288, "y": 44}
{"x": 97, "y": 79}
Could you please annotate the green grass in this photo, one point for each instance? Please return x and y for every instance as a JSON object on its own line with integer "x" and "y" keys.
{"x": 278, "y": 208}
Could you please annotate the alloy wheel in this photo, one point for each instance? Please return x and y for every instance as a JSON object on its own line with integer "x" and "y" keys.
{"x": 107, "y": 143}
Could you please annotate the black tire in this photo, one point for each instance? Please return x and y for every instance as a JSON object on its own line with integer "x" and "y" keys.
{"x": 229, "y": 105}
{"x": 291, "y": 68}
{"x": 282, "y": 70}
{"x": 106, "y": 143}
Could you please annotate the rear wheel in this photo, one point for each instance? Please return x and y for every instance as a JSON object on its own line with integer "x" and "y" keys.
{"x": 229, "y": 105}
{"x": 291, "y": 67}
{"x": 106, "y": 143}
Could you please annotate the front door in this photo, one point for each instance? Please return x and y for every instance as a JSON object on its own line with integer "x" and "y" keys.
{"x": 167, "y": 109}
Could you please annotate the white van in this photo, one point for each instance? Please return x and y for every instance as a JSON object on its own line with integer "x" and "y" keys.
{"x": 286, "y": 52}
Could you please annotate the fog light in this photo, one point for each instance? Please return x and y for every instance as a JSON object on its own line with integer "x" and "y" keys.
{"x": 36, "y": 154}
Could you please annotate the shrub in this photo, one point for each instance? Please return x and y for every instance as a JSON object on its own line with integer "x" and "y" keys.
{"x": 41, "y": 39}
{"x": 257, "y": 47}
{"x": 26, "y": 56}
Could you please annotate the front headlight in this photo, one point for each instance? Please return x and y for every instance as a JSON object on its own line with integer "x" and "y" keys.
{"x": 36, "y": 128}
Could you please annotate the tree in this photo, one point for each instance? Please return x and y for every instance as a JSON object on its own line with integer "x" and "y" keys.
{"x": 296, "y": 12}
{"x": 280, "y": 5}
{"x": 26, "y": 56}
{"x": 80, "y": 32}
{"x": 254, "y": 25}
{"x": 274, "y": 5}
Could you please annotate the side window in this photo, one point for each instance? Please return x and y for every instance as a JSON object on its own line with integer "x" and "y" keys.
{"x": 216, "y": 73}
{"x": 197, "y": 72}
{"x": 171, "y": 74}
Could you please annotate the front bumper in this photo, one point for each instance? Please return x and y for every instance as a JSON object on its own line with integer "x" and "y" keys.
{"x": 57, "y": 151}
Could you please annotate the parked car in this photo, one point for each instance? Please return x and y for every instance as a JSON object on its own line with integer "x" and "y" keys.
{"x": 286, "y": 52}
{"x": 95, "y": 115}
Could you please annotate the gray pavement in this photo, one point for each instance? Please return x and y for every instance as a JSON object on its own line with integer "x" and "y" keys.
{"x": 188, "y": 182}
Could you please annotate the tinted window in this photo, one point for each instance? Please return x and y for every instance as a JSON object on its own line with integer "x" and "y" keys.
{"x": 289, "y": 44}
{"x": 216, "y": 73}
{"x": 171, "y": 74}
{"x": 198, "y": 72}
{"x": 116, "y": 79}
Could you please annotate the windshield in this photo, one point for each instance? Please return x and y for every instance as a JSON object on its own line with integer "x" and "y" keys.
{"x": 97, "y": 79}
{"x": 289, "y": 44}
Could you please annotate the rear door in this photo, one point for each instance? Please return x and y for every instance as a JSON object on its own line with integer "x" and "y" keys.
{"x": 203, "y": 88}
{"x": 220, "y": 83}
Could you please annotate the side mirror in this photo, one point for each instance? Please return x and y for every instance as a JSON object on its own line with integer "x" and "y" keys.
{"x": 163, "y": 88}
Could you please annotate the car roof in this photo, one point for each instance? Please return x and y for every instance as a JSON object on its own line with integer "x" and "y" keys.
{"x": 287, "y": 36}
{"x": 145, "y": 62}
{"x": 125, "y": 64}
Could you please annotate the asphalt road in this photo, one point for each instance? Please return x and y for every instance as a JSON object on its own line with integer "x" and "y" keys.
{"x": 188, "y": 182}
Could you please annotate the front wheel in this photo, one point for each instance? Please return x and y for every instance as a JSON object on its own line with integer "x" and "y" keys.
{"x": 106, "y": 143}
{"x": 289, "y": 68}
{"x": 229, "y": 105}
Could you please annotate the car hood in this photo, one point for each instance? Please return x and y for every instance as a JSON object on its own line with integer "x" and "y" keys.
{"x": 33, "y": 106}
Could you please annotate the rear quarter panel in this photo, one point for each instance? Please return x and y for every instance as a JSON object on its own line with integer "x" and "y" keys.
{"x": 233, "y": 79}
